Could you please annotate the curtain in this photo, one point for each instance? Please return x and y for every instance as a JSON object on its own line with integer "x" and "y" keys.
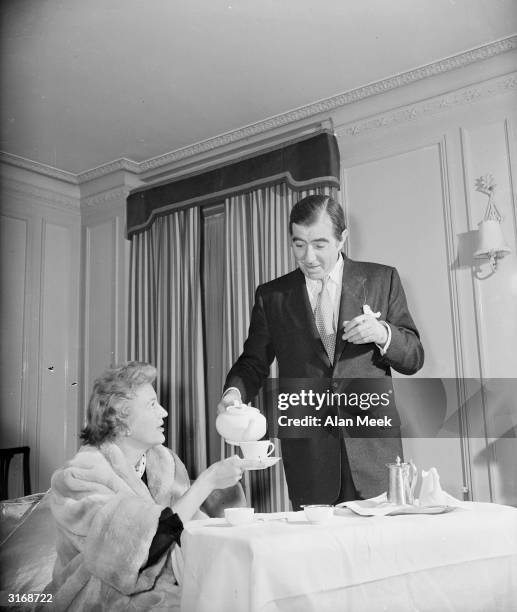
{"x": 165, "y": 325}
{"x": 169, "y": 288}
{"x": 305, "y": 163}
{"x": 257, "y": 250}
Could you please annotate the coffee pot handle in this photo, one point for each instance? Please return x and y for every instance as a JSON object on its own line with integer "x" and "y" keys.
{"x": 413, "y": 477}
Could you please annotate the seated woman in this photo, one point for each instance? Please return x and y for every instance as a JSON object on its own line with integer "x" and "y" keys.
{"x": 121, "y": 502}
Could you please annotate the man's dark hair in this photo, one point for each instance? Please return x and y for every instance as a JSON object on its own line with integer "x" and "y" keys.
{"x": 308, "y": 210}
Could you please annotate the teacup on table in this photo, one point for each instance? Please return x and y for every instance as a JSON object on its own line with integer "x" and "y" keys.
{"x": 239, "y": 516}
{"x": 257, "y": 450}
{"x": 318, "y": 513}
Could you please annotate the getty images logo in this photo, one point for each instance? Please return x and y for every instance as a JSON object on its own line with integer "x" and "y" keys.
{"x": 315, "y": 400}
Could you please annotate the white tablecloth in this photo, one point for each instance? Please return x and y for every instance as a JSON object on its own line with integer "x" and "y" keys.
{"x": 465, "y": 560}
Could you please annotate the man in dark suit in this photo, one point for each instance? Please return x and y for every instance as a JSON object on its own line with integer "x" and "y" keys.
{"x": 330, "y": 322}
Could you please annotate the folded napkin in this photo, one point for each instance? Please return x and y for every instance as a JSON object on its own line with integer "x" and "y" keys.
{"x": 431, "y": 492}
{"x": 376, "y": 506}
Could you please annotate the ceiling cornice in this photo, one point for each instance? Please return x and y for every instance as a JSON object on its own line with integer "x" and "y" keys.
{"x": 39, "y": 168}
{"x": 124, "y": 164}
{"x": 267, "y": 125}
{"x": 334, "y": 102}
{"x": 431, "y": 106}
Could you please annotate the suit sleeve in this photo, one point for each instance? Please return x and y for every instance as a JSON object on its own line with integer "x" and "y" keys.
{"x": 252, "y": 367}
{"x": 405, "y": 353}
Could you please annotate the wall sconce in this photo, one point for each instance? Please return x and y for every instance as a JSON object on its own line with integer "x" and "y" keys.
{"x": 491, "y": 242}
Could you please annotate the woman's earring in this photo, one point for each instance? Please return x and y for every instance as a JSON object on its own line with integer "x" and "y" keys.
{"x": 128, "y": 432}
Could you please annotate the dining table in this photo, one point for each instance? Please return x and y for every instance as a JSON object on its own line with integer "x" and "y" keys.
{"x": 459, "y": 560}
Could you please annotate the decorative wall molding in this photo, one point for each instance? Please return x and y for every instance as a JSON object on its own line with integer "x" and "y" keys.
{"x": 121, "y": 164}
{"x": 32, "y": 166}
{"x": 509, "y": 132}
{"x": 461, "y": 97}
{"x": 117, "y": 165}
{"x": 46, "y": 197}
{"x": 334, "y": 102}
{"x": 278, "y": 121}
{"x": 457, "y": 338}
{"x": 101, "y": 200}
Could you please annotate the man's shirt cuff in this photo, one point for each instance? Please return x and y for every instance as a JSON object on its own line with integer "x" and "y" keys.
{"x": 386, "y": 346}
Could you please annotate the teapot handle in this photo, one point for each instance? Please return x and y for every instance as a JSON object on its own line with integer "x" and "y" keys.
{"x": 414, "y": 477}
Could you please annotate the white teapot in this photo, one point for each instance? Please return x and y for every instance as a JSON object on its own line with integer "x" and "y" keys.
{"x": 240, "y": 423}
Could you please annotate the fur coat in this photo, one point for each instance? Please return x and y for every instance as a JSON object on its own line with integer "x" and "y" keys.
{"x": 106, "y": 520}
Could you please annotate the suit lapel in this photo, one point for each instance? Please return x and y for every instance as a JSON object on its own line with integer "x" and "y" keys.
{"x": 351, "y": 303}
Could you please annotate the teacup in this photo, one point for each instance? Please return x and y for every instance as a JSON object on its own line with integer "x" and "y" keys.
{"x": 258, "y": 450}
{"x": 239, "y": 516}
{"x": 318, "y": 513}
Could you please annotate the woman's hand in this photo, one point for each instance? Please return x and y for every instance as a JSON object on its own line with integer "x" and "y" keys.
{"x": 225, "y": 473}
{"x": 219, "y": 475}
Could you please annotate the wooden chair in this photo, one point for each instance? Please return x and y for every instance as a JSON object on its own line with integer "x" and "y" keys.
{"x": 6, "y": 454}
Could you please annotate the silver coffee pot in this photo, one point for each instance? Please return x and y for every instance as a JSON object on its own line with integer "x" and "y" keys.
{"x": 402, "y": 482}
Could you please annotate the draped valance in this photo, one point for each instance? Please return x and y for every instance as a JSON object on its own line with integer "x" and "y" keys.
{"x": 310, "y": 162}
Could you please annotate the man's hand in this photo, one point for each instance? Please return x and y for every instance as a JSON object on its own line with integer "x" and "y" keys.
{"x": 229, "y": 398}
{"x": 365, "y": 329}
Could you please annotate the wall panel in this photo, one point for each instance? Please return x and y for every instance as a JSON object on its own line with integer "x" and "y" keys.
{"x": 101, "y": 315}
{"x": 39, "y": 319}
{"x": 485, "y": 151}
{"x": 104, "y": 285}
{"x": 56, "y": 340}
{"x": 396, "y": 217}
{"x": 486, "y": 148}
{"x": 13, "y": 278}
{"x": 13, "y": 263}
{"x": 410, "y": 198}
{"x": 397, "y": 209}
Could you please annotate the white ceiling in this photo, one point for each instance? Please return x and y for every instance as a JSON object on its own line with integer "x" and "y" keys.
{"x": 85, "y": 82}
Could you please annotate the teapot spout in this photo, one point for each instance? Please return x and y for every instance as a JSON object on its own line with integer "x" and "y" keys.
{"x": 255, "y": 430}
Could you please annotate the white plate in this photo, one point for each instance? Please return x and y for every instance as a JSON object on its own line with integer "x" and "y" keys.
{"x": 264, "y": 464}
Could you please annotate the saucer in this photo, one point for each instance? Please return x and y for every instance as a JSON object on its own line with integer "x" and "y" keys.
{"x": 422, "y": 510}
{"x": 264, "y": 464}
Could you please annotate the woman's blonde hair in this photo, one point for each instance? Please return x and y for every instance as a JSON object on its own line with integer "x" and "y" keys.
{"x": 106, "y": 415}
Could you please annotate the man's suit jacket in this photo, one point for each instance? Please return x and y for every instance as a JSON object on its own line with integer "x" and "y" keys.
{"x": 282, "y": 326}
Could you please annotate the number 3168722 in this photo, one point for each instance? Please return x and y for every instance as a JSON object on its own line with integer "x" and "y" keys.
{"x": 29, "y": 598}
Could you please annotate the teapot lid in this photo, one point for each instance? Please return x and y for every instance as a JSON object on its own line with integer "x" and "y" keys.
{"x": 400, "y": 464}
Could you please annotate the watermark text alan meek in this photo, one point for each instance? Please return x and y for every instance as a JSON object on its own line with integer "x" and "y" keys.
{"x": 312, "y": 399}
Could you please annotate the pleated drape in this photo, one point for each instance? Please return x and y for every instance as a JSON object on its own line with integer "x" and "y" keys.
{"x": 166, "y": 328}
{"x": 257, "y": 250}
{"x": 166, "y": 313}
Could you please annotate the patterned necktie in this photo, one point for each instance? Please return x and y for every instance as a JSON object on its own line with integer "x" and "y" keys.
{"x": 324, "y": 317}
